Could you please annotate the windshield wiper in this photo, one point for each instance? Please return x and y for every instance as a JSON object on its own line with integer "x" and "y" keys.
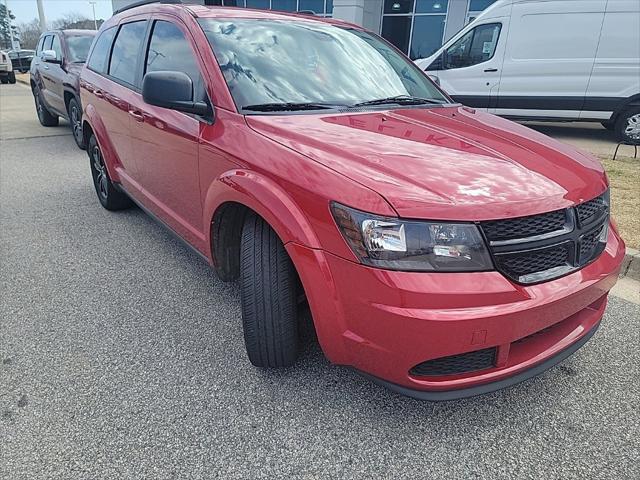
{"x": 400, "y": 100}
{"x": 290, "y": 106}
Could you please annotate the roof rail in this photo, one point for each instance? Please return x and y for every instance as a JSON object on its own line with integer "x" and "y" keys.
{"x": 145, "y": 2}
{"x": 306, "y": 12}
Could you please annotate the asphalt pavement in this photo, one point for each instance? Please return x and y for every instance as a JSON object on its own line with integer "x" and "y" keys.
{"x": 121, "y": 356}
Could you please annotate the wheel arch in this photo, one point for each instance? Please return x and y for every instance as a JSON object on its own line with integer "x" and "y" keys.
{"x": 233, "y": 196}
{"x": 92, "y": 124}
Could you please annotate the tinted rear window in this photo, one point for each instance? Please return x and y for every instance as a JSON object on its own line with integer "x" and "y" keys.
{"x": 100, "y": 54}
{"x": 126, "y": 49}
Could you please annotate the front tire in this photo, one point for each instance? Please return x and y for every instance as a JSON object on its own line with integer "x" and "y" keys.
{"x": 268, "y": 283}
{"x": 75, "y": 119}
{"x": 44, "y": 116}
{"x": 627, "y": 127}
{"x": 110, "y": 197}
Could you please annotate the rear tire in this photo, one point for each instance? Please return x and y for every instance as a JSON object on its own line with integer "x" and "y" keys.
{"x": 12, "y": 77}
{"x": 268, "y": 282}
{"x": 75, "y": 119}
{"x": 44, "y": 116}
{"x": 109, "y": 196}
{"x": 627, "y": 127}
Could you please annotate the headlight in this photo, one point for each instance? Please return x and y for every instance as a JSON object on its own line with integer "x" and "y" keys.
{"x": 396, "y": 244}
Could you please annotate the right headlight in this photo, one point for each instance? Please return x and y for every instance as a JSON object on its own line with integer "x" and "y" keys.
{"x": 411, "y": 245}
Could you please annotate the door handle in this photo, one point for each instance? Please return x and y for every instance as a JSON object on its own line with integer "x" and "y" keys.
{"x": 490, "y": 69}
{"x": 98, "y": 93}
{"x": 137, "y": 115}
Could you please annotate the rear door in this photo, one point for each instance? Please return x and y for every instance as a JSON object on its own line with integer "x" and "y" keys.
{"x": 550, "y": 53}
{"x": 167, "y": 141}
{"x": 122, "y": 86}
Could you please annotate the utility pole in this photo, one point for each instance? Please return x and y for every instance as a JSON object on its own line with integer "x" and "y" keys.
{"x": 13, "y": 42}
{"x": 95, "y": 22}
{"x": 43, "y": 21}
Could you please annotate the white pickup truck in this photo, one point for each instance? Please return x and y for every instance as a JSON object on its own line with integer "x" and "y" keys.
{"x": 7, "y": 75}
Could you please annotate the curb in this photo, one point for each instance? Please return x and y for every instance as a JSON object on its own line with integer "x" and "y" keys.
{"x": 631, "y": 264}
{"x": 24, "y": 79}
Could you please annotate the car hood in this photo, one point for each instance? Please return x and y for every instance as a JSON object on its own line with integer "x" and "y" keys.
{"x": 452, "y": 163}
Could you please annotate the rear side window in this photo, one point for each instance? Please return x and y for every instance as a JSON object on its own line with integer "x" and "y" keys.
{"x": 100, "y": 53}
{"x": 126, "y": 49}
{"x": 474, "y": 47}
{"x": 170, "y": 50}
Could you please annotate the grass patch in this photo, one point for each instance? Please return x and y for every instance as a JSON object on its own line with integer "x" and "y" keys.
{"x": 624, "y": 175}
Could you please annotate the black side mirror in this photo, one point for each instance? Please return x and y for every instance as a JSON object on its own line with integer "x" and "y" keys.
{"x": 172, "y": 90}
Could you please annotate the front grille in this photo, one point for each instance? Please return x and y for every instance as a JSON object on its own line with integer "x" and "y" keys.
{"x": 522, "y": 227}
{"x": 541, "y": 247}
{"x": 520, "y": 264}
{"x": 588, "y": 211}
{"x": 462, "y": 363}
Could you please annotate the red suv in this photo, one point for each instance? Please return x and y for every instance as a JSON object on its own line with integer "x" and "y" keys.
{"x": 443, "y": 252}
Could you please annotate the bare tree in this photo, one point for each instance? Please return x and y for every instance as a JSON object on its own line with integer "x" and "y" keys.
{"x": 29, "y": 34}
{"x": 74, "y": 20}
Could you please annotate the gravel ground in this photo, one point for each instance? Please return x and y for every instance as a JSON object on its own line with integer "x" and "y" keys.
{"x": 121, "y": 356}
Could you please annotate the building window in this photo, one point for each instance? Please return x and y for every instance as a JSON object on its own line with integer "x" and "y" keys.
{"x": 322, "y": 8}
{"x": 476, "y": 7}
{"x": 416, "y": 27}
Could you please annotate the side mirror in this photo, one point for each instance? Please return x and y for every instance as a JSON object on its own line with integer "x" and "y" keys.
{"x": 173, "y": 90}
{"x": 50, "y": 56}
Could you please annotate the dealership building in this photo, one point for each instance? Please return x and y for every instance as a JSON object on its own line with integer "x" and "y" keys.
{"x": 417, "y": 27}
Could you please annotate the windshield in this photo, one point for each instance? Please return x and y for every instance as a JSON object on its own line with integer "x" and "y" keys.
{"x": 78, "y": 47}
{"x": 293, "y": 62}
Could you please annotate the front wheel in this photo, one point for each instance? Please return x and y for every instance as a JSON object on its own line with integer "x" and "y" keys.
{"x": 268, "y": 283}
{"x": 110, "y": 197}
{"x": 627, "y": 127}
{"x": 75, "y": 118}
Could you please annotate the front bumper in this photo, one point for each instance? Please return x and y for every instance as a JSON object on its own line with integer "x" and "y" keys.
{"x": 383, "y": 323}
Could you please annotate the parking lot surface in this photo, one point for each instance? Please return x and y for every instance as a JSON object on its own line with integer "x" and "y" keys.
{"x": 121, "y": 356}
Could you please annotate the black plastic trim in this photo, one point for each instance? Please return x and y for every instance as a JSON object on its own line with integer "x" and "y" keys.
{"x": 442, "y": 396}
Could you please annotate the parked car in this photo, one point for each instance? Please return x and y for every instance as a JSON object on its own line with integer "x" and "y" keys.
{"x": 21, "y": 59}
{"x": 443, "y": 251}
{"x": 539, "y": 60}
{"x": 7, "y": 75}
{"x": 55, "y": 76}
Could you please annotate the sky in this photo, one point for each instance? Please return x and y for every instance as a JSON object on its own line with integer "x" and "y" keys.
{"x": 27, "y": 10}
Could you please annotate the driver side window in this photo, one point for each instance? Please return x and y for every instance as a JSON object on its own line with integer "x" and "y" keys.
{"x": 476, "y": 46}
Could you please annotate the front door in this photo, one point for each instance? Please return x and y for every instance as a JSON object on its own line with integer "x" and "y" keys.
{"x": 469, "y": 70}
{"x": 52, "y": 78}
{"x": 166, "y": 141}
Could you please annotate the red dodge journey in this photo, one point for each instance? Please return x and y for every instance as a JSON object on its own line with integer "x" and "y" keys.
{"x": 443, "y": 251}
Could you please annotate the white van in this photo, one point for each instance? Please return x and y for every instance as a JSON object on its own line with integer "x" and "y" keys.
{"x": 548, "y": 60}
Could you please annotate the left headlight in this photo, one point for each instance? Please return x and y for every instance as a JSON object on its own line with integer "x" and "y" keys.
{"x": 410, "y": 245}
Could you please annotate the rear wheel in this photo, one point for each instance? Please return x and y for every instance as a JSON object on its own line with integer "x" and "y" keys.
{"x": 110, "y": 197}
{"x": 75, "y": 118}
{"x": 628, "y": 126}
{"x": 268, "y": 284}
{"x": 12, "y": 77}
{"x": 44, "y": 116}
